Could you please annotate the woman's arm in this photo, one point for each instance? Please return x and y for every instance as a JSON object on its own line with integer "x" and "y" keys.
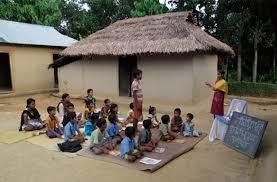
{"x": 25, "y": 119}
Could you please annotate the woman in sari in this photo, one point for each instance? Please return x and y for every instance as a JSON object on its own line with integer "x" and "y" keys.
{"x": 220, "y": 89}
{"x": 137, "y": 96}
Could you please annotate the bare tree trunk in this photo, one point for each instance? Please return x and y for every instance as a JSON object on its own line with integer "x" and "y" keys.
{"x": 239, "y": 63}
{"x": 274, "y": 65}
{"x": 255, "y": 60}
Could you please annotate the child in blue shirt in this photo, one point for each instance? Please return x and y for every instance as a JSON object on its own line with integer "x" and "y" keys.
{"x": 90, "y": 125}
{"x": 71, "y": 128}
{"x": 128, "y": 148}
{"x": 188, "y": 127}
{"x": 113, "y": 129}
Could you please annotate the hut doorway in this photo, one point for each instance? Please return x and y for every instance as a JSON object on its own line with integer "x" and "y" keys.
{"x": 5, "y": 72}
{"x": 56, "y": 78}
{"x": 127, "y": 66}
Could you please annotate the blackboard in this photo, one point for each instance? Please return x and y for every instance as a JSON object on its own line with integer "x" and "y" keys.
{"x": 245, "y": 133}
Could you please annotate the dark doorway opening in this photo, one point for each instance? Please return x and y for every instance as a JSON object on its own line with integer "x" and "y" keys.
{"x": 127, "y": 66}
{"x": 56, "y": 77}
{"x": 5, "y": 72}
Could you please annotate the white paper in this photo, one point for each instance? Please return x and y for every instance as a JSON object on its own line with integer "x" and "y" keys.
{"x": 159, "y": 150}
{"x": 151, "y": 161}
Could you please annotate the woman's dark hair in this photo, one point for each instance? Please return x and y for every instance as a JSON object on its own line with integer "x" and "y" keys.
{"x": 50, "y": 108}
{"x": 70, "y": 116}
{"x": 177, "y": 110}
{"x": 151, "y": 109}
{"x": 222, "y": 72}
{"x": 136, "y": 73}
{"x": 131, "y": 105}
{"x": 64, "y": 96}
{"x": 113, "y": 106}
{"x": 112, "y": 118}
{"x": 70, "y": 105}
{"x": 100, "y": 122}
{"x": 89, "y": 90}
{"x": 190, "y": 115}
{"x": 130, "y": 131}
{"x": 106, "y": 101}
{"x": 165, "y": 119}
{"x": 147, "y": 123}
{"x": 94, "y": 117}
{"x": 29, "y": 101}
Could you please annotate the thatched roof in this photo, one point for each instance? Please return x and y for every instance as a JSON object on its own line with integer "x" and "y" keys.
{"x": 159, "y": 34}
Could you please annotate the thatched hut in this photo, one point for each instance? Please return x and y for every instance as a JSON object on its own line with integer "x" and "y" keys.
{"x": 175, "y": 55}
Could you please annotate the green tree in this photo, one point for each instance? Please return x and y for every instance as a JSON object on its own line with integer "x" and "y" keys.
{"x": 147, "y": 7}
{"x": 32, "y": 11}
{"x": 74, "y": 19}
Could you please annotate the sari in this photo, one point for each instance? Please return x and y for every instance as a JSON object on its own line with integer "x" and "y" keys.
{"x": 220, "y": 90}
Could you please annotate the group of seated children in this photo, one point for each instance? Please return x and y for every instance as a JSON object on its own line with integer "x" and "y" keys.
{"x": 105, "y": 137}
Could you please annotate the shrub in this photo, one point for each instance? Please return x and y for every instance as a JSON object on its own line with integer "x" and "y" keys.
{"x": 252, "y": 89}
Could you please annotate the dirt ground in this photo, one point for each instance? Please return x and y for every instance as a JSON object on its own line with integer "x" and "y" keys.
{"x": 206, "y": 162}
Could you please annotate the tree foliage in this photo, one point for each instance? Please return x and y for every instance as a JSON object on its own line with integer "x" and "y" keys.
{"x": 32, "y": 11}
{"x": 147, "y": 7}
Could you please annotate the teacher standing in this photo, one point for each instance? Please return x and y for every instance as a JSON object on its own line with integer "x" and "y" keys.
{"x": 137, "y": 93}
{"x": 220, "y": 89}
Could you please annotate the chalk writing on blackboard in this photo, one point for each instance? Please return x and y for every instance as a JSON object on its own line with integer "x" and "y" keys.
{"x": 245, "y": 133}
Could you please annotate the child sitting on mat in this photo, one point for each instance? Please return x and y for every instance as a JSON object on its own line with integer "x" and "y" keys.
{"x": 90, "y": 125}
{"x": 90, "y": 98}
{"x": 130, "y": 115}
{"x": 188, "y": 127}
{"x": 71, "y": 128}
{"x": 71, "y": 108}
{"x": 177, "y": 121}
{"x": 100, "y": 141}
{"x": 62, "y": 106}
{"x": 128, "y": 146}
{"x": 90, "y": 108}
{"x": 145, "y": 140}
{"x": 30, "y": 117}
{"x": 153, "y": 116}
{"x": 113, "y": 130}
{"x": 106, "y": 108}
{"x": 53, "y": 128}
{"x": 165, "y": 133}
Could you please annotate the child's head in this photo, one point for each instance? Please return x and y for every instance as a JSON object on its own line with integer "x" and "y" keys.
{"x": 138, "y": 74}
{"x": 90, "y": 105}
{"x": 66, "y": 97}
{"x": 107, "y": 102}
{"x": 152, "y": 110}
{"x": 147, "y": 124}
{"x": 90, "y": 92}
{"x": 112, "y": 118}
{"x": 165, "y": 119}
{"x": 70, "y": 107}
{"x": 131, "y": 106}
{"x": 189, "y": 117}
{"x": 71, "y": 116}
{"x": 51, "y": 110}
{"x": 94, "y": 117}
{"x": 31, "y": 103}
{"x": 101, "y": 124}
{"x": 114, "y": 108}
{"x": 177, "y": 112}
{"x": 130, "y": 132}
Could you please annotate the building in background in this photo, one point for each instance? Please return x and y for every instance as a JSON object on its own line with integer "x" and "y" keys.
{"x": 176, "y": 57}
{"x": 26, "y": 50}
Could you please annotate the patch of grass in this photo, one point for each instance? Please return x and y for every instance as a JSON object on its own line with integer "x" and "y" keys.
{"x": 252, "y": 89}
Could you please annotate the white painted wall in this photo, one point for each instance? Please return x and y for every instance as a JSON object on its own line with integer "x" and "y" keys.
{"x": 100, "y": 74}
{"x": 167, "y": 78}
{"x": 204, "y": 70}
